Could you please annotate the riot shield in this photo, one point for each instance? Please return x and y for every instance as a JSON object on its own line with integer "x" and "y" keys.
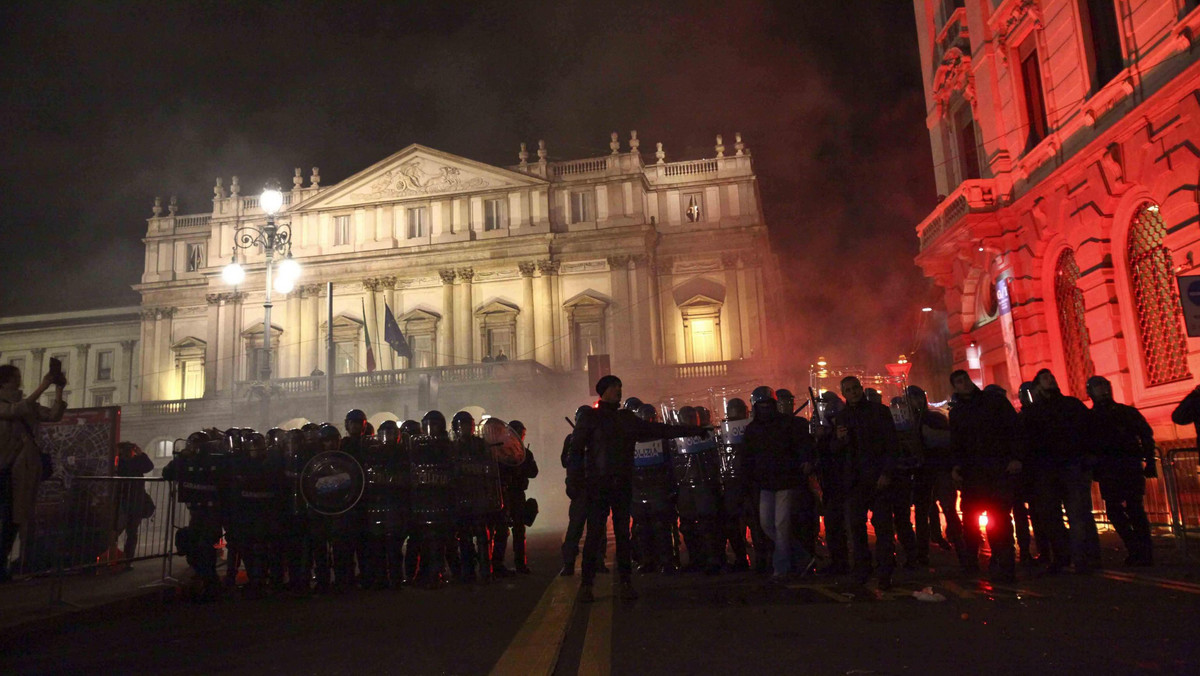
{"x": 332, "y": 483}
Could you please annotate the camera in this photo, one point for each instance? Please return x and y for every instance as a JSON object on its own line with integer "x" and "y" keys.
{"x": 56, "y": 372}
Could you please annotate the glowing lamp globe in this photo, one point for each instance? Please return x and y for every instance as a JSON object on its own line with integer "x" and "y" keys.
{"x": 284, "y": 284}
{"x": 233, "y": 274}
{"x": 289, "y": 269}
{"x": 271, "y": 200}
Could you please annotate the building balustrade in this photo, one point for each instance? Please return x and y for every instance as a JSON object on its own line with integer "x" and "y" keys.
{"x": 969, "y": 197}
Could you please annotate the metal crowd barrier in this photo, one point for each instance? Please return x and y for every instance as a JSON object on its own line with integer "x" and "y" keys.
{"x": 1182, "y": 473}
{"x": 86, "y": 524}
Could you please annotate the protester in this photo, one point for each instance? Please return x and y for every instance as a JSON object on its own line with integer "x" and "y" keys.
{"x": 133, "y": 502}
{"x": 1124, "y": 443}
{"x": 21, "y": 462}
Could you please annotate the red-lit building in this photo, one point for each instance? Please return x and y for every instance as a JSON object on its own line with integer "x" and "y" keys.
{"x": 1066, "y": 144}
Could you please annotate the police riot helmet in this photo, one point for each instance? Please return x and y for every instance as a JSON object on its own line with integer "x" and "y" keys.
{"x": 410, "y": 428}
{"x": 293, "y": 439}
{"x": 256, "y": 443}
{"x": 762, "y": 393}
{"x": 648, "y": 413}
{"x": 328, "y": 432}
{"x": 463, "y": 424}
{"x": 518, "y": 427}
{"x": 705, "y": 415}
{"x": 784, "y": 394}
{"x": 434, "y": 424}
{"x": 233, "y": 439}
{"x": 633, "y": 404}
{"x": 311, "y": 431}
{"x": 581, "y": 413}
{"x": 356, "y": 415}
{"x": 389, "y": 431}
{"x": 274, "y": 436}
{"x": 368, "y": 429}
{"x": 688, "y": 415}
{"x": 197, "y": 440}
{"x": 735, "y": 409}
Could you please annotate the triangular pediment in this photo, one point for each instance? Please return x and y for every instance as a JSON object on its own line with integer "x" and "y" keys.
{"x": 588, "y": 298}
{"x": 497, "y": 307}
{"x": 414, "y": 173}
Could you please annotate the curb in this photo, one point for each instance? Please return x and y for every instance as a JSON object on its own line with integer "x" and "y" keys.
{"x": 68, "y": 615}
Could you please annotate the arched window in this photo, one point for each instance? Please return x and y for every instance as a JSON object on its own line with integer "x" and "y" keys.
{"x": 1164, "y": 347}
{"x": 1072, "y": 325}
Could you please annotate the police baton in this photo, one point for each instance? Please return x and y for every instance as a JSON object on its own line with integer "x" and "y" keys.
{"x": 569, "y": 422}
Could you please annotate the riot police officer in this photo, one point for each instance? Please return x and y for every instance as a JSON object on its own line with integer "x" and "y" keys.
{"x": 333, "y": 536}
{"x": 432, "y": 522}
{"x": 651, "y": 509}
{"x": 294, "y": 542}
{"x": 478, "y": 500}
{"x": 577, "y": 511}
{"x": 382, "y": 523}
{"x": 739, "y": 498}
{"x": 253, "y": 525}
{"x": 515, "y": 481}
{"x": 833, "y": 467}
{"x": 696, "y": 468}
{"x": 200, "y": 469}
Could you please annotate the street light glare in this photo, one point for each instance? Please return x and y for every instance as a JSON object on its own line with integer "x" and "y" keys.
{"x": 288, "y": 269}
{"x": 271, "y": 200}
{"x": 926, "y": 309}
{"x": 284, "y": 284}
{"x": 233, "y": 274}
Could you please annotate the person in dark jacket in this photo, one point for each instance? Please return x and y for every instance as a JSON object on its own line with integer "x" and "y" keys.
{"x": 779, "y": 456}
{"x": 832, "y": 466}
{"x": 1188, "y": 411}
{"x": 1054, "y": 427}
{"x": 987, "y": 458}
{"x": 133, "y": 502}
{"x": 932, "y": 483}
{"x": 605, "y": 440}
{"x": 866, "y": 435}
{"x": 577, "y": 511}
{"x": 1124, "y": 444}
{"x": 515, "y": 481}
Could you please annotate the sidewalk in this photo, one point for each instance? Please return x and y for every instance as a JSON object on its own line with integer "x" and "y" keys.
{"x": 32, "y": 603}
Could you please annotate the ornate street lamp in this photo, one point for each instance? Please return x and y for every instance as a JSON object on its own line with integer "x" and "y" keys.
{"x": 274, "y": 240}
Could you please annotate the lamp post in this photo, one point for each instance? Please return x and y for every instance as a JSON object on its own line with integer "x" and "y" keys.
{"x": 274, "y": 239}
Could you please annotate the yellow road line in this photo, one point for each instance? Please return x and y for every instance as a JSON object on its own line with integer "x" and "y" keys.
{"x": 1169, "y": 585}
{"x": 596, "y": 657}
{"x": 1151, "y": 578}
{"x": 534, "y": 650}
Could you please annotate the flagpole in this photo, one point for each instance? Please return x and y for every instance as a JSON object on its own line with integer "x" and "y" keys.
{"x": 329, "y": 356}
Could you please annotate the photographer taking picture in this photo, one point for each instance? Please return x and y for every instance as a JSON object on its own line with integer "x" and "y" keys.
{"x": 21, "y": 464}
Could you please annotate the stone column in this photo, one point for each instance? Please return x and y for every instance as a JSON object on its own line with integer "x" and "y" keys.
{"x": 148, "y": 361}
{"x": 464, "y": 342}
{"x": 37, "y": 367}
{"x": 656, "y": 327}
{"x": 543, "y": 327}
{"x": 234, "y": 306}
{"x": 622, "y": 328}
{"x": 127, "y": 364}
{"x": 82, "y": 352}
{"x": 755, "y": 314}
{"x": 562, "y": 341}
{"x": 310, "y": 329}
{"x": 371, "y": 288}
{"x": 733, "y": 306}
{"x": 289, "y": 346}
{"x": 445, "y": 337}
{"x": 165, "y": 367}
{"x": 525, "y": 338}
{"x": 212, "y": 337}
{"x": 387, "y": 356}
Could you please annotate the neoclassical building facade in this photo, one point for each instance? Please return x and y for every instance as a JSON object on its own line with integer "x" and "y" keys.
{"x": 663, "y": 266}
{"x": 1066, "y": 145}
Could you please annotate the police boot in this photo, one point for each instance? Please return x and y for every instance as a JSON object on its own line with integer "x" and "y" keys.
{"x": 568, "y": 568}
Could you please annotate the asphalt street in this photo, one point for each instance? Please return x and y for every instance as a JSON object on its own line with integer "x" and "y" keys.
{"x": 1113, "y": 622}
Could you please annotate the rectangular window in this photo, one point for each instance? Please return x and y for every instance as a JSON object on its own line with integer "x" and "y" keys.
{"x": 193, "y": 379}
{"x": 423, "y": 355}
{"x": 104, "y": 365}
{"x": 104, "y": 399}
{"x": 967, "y": 145}
{"x": 693, "y": 206}
{"x": 417, "y": 219}
{"x": 164, "y": 448}
{"x": 341, "y": 230}
{"x": 1035, "y": 103}
{"x": 195, "y": 257}
{"x": 704, "y": 341}
{"x": 581, "y": 207}
{"x": 589, "y": 339}
{"x": 1102, "y": 40}
{"x": 948, "y": 7}
{"x": 499, "y": 343}
{"x": 346, "y": 357}
{"x": 495, "y": 214}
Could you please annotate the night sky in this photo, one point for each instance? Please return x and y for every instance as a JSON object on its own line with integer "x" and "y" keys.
{"x": 106, "y": 105}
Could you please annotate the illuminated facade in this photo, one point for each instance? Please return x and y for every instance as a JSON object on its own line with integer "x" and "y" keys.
{"x": 1066, "y": 145}
{"x": 663, "y": 266}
